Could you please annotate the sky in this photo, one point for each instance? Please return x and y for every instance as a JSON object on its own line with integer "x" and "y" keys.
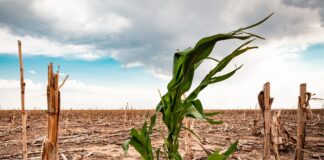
{"x": 122, "y": 51}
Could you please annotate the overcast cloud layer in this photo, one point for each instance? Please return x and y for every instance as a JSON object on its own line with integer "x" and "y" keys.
{"x": 146, "y": 33}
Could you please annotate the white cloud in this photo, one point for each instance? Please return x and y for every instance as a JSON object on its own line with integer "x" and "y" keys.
{"x": 15, "y": 84}
{"x": 132, "y": 65}
{"x": 238, "y": 92}
{"x": 43, "y": 46}
{"x": 32, "y": 72}
{"x": 90, "y": 56}
{"x": 159, "y": 73}
{"x": 35, "y": 94}
{"x": 267, "y": 64}
{"x": 85, "y": 19}
{"x": 76, "y": 94}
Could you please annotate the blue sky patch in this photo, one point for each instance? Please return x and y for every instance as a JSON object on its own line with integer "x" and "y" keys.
{"x": 314, "y": 54}
{"x": 103, "y": 71}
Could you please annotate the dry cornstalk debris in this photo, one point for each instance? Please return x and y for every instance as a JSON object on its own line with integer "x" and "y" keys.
{"x": 276, "y": 138}
{"x": 279, "y": 136}
{"x": 13, "y": 119}
{"x": 125, "y": 115}
{"x": 63, "y": 156}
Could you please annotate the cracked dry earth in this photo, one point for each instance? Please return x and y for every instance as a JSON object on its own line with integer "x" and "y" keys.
{"x": 98, "y": 134}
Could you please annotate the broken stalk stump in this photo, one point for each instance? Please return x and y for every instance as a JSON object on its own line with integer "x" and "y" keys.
{"x": 50, "y": 148}
{"x": 301, "y": 123}
{"x": 265, "y": 104}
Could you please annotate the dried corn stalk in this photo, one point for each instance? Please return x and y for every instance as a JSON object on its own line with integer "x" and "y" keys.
{"x": 265, "y": 102}
{"x": 50, "y": 147}
{"x": 23, "y": 113}
{"x": 188, "y": 152}
{"x": 303, "y": 113}
{"x": 125, "y": 115}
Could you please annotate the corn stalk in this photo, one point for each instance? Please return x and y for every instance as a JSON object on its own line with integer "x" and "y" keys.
{"x": 23, "y": 113}
{"x": 303, "y": 114}
{"x": 174, "y": 109}
{"x": 50, "y": 147}
{"x": 265, "y": 102}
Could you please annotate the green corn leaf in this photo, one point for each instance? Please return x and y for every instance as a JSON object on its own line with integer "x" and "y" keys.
{"x": 198, "y": 113}
{"x": 224, "y": 77}
{"x": 135, "y": 134}
{"x": 152, "y": 123}
{"x": 140, "y": 148}
{"x": 177, "y": 61}
{"x": 140, "y": 140}
{"x": 190, "y": 60}
{"x": 216, "y": 156}
{"x": 211, "y": 58}
{"x": 198, "y": 106}
{"x": 258, "y": 23}
{"x": 254, "y": 35}
{"x": 209, "y": 114}
{"x": 192, "y": 112}
{"x": 143, "y": 130}
{"x": 231, "y": 149}
{"x": 176, "y": 156}
{"x": 159, "y": 107}
{"x": 185, "y": 62}
{"x": 125, "y": 145}
{"x": 220, "y": 66}
{"x": 211, "y": 121}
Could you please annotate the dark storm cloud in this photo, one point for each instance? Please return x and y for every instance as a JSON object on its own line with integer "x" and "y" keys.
{"x": 311, "y": 4}
{"x": 20, "y": 18}
{"x": 157, "y": 29}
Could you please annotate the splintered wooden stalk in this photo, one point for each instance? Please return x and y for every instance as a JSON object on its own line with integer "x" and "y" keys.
{"x": 23, "y": 113}
{"x": 301, "y": 122}
{"x": 265, "y": 105}
{"x": 50, "y": 148}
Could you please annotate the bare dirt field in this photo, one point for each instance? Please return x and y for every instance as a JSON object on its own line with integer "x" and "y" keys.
{"x": 98, "y": 134}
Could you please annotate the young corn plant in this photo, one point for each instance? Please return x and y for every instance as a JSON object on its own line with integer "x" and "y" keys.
{"x": 174, "y": 109}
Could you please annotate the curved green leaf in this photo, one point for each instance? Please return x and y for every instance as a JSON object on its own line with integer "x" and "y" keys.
{"x": 231, "y": 149}
{"x": 224, "y": 77}
{"x": 209, "y": 114}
